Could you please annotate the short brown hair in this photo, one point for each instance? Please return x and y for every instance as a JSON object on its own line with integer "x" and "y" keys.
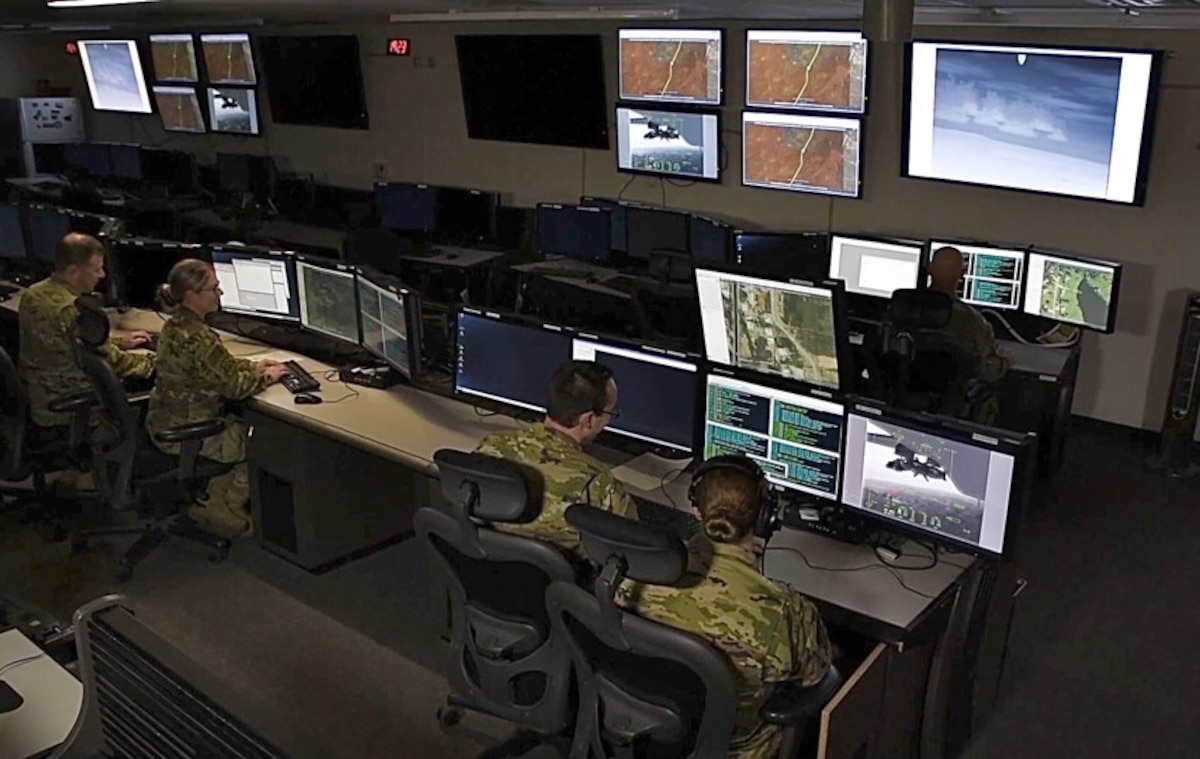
{"x": 728, "y": 500}
{"x": 576, "y": 388}
{"x": 76, "y": 249}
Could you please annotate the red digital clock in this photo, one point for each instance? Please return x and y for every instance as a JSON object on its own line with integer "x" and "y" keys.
{"x": 398, "y": 46}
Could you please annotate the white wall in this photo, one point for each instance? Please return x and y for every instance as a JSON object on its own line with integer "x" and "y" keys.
{"x": 419, "y": 131}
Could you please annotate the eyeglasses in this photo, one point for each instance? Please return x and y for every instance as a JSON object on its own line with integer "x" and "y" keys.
{"x": 611, "y": 414}
{"x": 213, "y": 289}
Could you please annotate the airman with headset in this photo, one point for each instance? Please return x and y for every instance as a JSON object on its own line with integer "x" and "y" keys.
{"x": 770, "y": 632}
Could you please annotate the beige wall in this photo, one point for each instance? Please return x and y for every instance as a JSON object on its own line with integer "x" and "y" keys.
{"x": 419, "y": 131}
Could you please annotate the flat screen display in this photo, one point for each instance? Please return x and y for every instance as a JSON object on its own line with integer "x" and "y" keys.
{"x": 670, "y": 65}
{"x": 233, "y": 110}
{"x": 179, "y": 109}
{"x": 798, "y": 70}
{"x": 669, "y": 143}
{"x": 174, "y": 58}
{"x": 874, "y": 267}
{"x": 817, "y": 154}
{"x": 114, "y": 75}
{"x": 1073, "y": 290}
{"x": 229, "y": 59}
{"x": 992, "y": 277}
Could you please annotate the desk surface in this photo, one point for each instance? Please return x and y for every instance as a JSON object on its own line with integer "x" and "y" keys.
{"x": 1036, "y": 359}
{"x": 53, "y": 698}
{"x": 459, "y": 258}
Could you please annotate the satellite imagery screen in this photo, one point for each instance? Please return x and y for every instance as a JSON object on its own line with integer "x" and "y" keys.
{"x": 228, "y": 58}
{"x": 385, "y": 331}
{"x": 1069, "y": 291}
{"x": 800, "y": 153}
{"x": 114, "y": 74}
{"x": 663, "y": 142}
{"x": 677, "y": 65}
{"x": 174, "y": 57}
{"x": 327, "y": 302}
{"x": 179, "y": 109}
{"x": 233, "y": 110}
{"x": 824, "y": 71}
{"x": 785, "y": 330}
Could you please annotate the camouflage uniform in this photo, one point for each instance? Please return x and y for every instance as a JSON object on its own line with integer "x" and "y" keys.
{"x": 770, "y": 632}
{"x": 570, "y": 476}
{"x": 968, "y": 325}
{"x": 196, "y": 375}
{"x": 46, "y": 365}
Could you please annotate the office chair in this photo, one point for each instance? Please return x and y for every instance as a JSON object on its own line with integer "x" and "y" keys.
{"x": 501, "y": 661}
{"x": 922, "y": 369}
{"x": 647, "y": 689}
{"x": 129, "y": 470}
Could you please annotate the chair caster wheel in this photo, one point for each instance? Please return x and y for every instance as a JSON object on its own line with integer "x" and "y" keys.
{"x": 449, "y": 716}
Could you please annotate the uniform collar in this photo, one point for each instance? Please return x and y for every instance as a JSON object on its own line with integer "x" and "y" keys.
{"x": 64, "y": 285}
{"x": 737, "y": 552}
{"x": 555, "y": 436}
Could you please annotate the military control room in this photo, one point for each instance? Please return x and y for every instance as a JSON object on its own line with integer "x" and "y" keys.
{"x": 638, "y": 379}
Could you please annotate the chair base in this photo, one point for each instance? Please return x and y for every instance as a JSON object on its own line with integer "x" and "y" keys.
{"x": 519, "y": 744}
{"x": 152, "y": 535}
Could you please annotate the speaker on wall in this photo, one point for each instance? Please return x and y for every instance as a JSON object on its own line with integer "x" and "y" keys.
{"x": 1183, "y": 399}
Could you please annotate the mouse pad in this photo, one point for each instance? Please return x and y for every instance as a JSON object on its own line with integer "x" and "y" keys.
{"x": 10, "y": 700}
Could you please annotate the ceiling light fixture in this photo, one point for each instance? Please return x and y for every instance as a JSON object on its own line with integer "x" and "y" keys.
{"x": 92, "y": 3}
{"x": 562, "y": 14}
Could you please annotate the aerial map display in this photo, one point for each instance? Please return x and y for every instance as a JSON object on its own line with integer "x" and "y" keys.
{"x": 174, "y": 57}
{"x": 384, "y": 325}
{"x": 825, "y": 71}
{"x": 664, "y": 142}
{"x": 674, "y": 65}
{"x": 327, "y": 302}
{"x": 228, "y": 58}
{"x": 179, "y": 109}
{"x": 800, "y": 153}
{"x": 1070, "y": 291}
{"x": 780, "y": 329}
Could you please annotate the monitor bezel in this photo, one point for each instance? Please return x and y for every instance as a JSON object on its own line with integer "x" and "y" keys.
{"x": 1021, "y": 447}
{"x": 289, "y": 262}
{"x": 384, "y": 186}
{"x": 725, "y": 226}
{"x": 440, "y": 233}
{"x": 1117, "y": 267}
{"x": 412, "y": 320}
{"x": 1149, "y": 126}
{"x": 736, "y": 265}
{"x": 686, "y": 104}
{"x": 327, "y": 264}
{"x": 862, "y": 141}
{"x": 922, "y": 260}
{"x": 867, "y": 69}
{"x": 581, "y": 207}
{"x": 715, "y": 114}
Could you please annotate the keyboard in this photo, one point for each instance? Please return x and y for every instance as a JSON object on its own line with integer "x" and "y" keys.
{"x": 298, "y": 380}
{"x": 681, "y": 523}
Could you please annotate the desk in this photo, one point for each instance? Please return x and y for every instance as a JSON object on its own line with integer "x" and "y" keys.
{"x": 1036, "y": 396}
{"x": 53, "y": 698}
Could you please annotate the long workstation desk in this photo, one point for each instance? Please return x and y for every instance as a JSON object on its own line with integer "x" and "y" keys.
{"x": 332, "y": 481}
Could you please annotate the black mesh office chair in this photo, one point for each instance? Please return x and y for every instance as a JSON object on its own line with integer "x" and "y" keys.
{"x": 647, "y": 689}
{"x": 129, "y": 470}
{"x": 501, "y": 661}
{"x": 922, "y": 369}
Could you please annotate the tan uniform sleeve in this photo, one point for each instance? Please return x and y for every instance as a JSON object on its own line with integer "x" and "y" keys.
{"x": 126, "y": 363}
{"x": 233, "y": 378}
{"x": 802, "y": 651}
{"x": 991, "y": 364}
{"x": 608, "y": 493}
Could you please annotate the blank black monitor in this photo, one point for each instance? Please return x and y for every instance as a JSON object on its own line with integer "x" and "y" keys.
{"x": 91, "y": 158}
{"x": 406, "y": 207}
{"x": 579, "y": 232}
{"x": 257, "y": 283}
{"x": 315, "y": 80}
{"x": 507, "y": 361}
{"x": 126, "y": 162}
{"x": 46, "y": 227}
{"x": 657, "y": 401}
{"x": 651, "y": 229}
{"x": 799, "y": 254}
{"x": 617, "y": 216}
{"x": 87, "y": 223}
{"x": 389, "y": 320}
{"x": 464, "y": 215}
{"x": 238, "y": 172}
{"x": 708, "y": 241}
{"x": 327, "y": 299}
{"x": 173, "y": 169}
{"x": 141, "y": 265}
{"x": 12, "y": 237}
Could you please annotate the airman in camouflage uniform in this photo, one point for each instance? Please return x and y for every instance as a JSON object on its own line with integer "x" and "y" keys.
{"x": 46, "y": 317}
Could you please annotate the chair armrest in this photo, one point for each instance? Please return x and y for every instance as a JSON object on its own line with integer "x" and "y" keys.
{"x": 791, "y": 703}
{"x": 191, "y": 431}
{"x": 72, "y": 403}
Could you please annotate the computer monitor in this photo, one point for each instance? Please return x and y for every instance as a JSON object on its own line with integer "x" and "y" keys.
{"x": 874, "y": 267}
{"x": 651, "y": 229}
{"x": 172, "y": 169}
{"x": 656, "y": 400}
{"x": 806, "y": 70}
{"x": 799, "y": 153}
{"x": 12, "y": 236}
{"x": 782, "y": 254}
{"x": 91, "y": 158}
{"x": 670, "y": 65}
{"x": 126, "y": 162}
{"x": 506, "y": 360}
{"x": 47, "y": 226}
{"x": 113, "y": 70}
{"x": 406, "y": 207}
{"x": 708, "y": 241}
{"x": 389, "y": 320}
{"x": 464, "y": 215}
{"x": 617, "y": 215}
{"x": 680, "y": 144}
{"x": 233, "y": 110}
{"x": 955, "y": 484}
{"x": 140, "y": 265}
{"x": 87, "y": 223}
{"x": 237, "y": 172}
{"x": 992, "y": 276}
{"x": 794, "y": 435}
{"x": 257, "y": 282}
{"x": 327, "y": 298}
{"x": 228, "y": 58}
{"x": 1073, "y": 290}
{"x": 788, "y": 329}
{"x": 174, "y": 58}
{"x": 179, "y": 109}
{"x": 578, "y": 232}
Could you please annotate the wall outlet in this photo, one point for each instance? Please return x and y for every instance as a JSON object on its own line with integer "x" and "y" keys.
{"x": 380, "y": 171}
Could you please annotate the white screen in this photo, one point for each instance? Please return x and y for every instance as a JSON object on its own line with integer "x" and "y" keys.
{"x": 783, "y": 151}
{"x": 1069, "y": 122}
{"x": 944, "y": 487}
{"x": 806, "y": 70}
{"x": 664, "y": 142}
{"x": 1071, "y": 291}
{"x": 670, "y": 65}
{"x": 233, "y": 110}
{"x": 992, "y": 277}
{"x": 772, "y": 327}
{"x": 114, "y": 75}
{"x": 253, "y": 285}
{"x": 873, "y": 267}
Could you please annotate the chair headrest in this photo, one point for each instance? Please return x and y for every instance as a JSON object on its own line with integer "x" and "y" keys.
{"x": 651, "y": 555}
{"x": 920, "y": 309}
{"x": 507, "y": 492}
{"x": 91, "y": 326}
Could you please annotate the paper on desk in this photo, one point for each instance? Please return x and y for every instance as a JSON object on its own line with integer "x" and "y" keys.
{"x": 279, "y": 356}
{"x": 649, "y": 472}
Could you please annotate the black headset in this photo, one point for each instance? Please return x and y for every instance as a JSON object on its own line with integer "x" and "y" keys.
{"x": 766, "y": 523}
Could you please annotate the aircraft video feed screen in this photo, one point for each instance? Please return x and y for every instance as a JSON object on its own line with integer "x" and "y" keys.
{"x": 174, "y": 58}
{"x": 114, "y": 75}
{"x": 228, "y": 59}
{"x": 795, "y": 438}
{"x": 992, "y": 277}
{"x": 1072, "y": 290}
{"x": 806, "y": 70}
{"x": 943, "y": 487}
{"x": 671, "y": 65}
{"x": 669, "y": 143}
{"x": 817, "y": 154}
{"x": 1069, "y": 122}
{"x": 874, "y": 267}
{"x": 233, "y": 110}
{"x": 179, "y": 109}
{"x": 780, "y": 328}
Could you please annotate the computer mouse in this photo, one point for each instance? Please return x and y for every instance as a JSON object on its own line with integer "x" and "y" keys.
{"x": 307, "y": 399}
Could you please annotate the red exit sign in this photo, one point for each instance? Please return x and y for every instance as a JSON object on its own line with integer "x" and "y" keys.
{"x": 399, "y": 46}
